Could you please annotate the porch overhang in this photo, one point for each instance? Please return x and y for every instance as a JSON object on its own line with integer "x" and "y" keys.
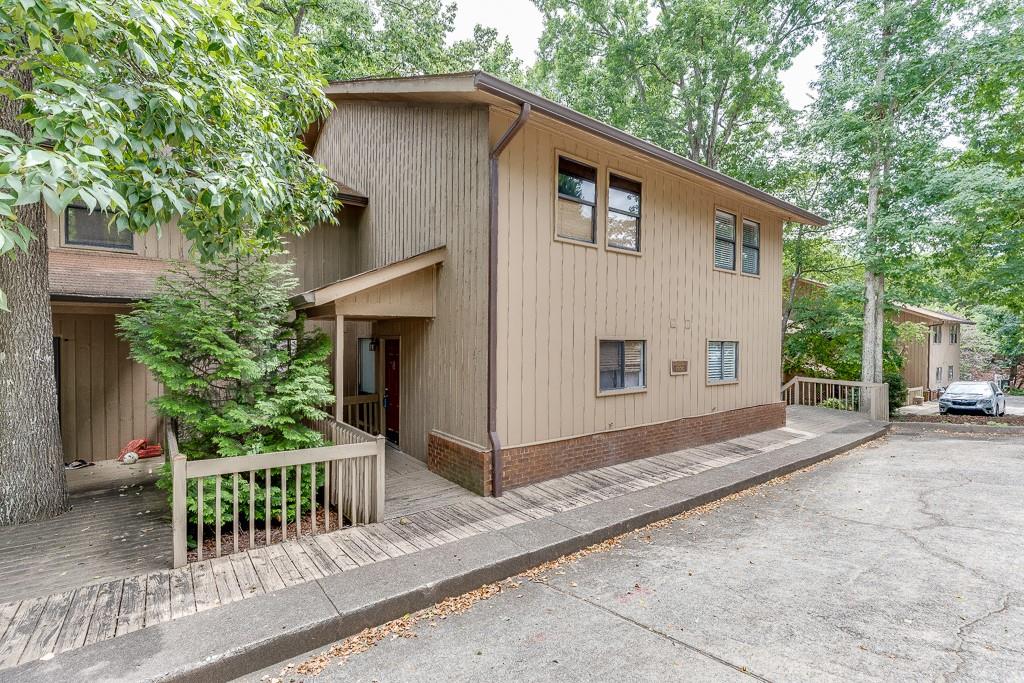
{"x": 405, "y": 289}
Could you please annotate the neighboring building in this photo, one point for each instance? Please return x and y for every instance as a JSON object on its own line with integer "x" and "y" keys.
{"x": 618, "y": 301}
{"x": 524, "y": 291}
{"x": 931, "y": 363}
{"x": 934, "y": 363}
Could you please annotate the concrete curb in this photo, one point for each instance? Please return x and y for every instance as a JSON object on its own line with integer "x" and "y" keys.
{"x": 911, "y": 428}
{"x": 245, "y": 636}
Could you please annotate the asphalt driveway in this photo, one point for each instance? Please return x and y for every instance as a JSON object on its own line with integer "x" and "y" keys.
{"x": 901, "y": 561}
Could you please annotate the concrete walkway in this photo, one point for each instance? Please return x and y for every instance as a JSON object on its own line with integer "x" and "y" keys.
{"x": 297, "y": 595}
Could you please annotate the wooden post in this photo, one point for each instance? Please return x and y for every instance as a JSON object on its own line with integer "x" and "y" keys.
{"x": 378, "y": 484}
{"x": 339, "y": 368}
{"x": 179, "y": 513}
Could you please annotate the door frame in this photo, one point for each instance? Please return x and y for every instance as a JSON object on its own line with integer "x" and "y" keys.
{"x": 381, "y": 355}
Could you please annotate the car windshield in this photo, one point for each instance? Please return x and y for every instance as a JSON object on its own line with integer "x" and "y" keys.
{"x": 973, "y": 388}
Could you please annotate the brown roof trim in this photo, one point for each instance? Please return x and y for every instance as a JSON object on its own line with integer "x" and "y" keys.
{"x": 466, "y": 82}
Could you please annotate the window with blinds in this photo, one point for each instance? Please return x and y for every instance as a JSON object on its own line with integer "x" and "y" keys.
{"x": 751, "y": 247}
{"x": 725, "y": 240}
{"x": 723, "y": 361}
{"x": 577, "y": 199}
{"x": 622, "y": 364}
{"x": 623, "y": 213}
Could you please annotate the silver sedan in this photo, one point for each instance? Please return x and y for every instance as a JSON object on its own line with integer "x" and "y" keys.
{"x": 974, "y": 397}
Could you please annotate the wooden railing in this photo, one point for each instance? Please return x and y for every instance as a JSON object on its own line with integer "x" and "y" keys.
{"x": 866, "y": 397}
{"x": 347, "y": 476}
{"x": 913, "y": 394}
{"x": 363, "y": 412}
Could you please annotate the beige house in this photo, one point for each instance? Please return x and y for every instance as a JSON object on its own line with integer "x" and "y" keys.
{"x": 523, "y": 291}
{"x": 933, "y": 363}
{"x": 528, "y": 292}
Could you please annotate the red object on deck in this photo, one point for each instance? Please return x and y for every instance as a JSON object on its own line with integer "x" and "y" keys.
{"x": 142, "y": 448}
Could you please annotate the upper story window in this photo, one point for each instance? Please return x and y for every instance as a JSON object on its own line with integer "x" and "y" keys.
{"x": 623, "y": 213}
{"x": 725, "y": 240}
{"x": 723, "y": 361}
{"x": 954, "y": 334}
{"x": 751, "y": 247}
{"x": 937, "y": 334}
{"x": 622, "y": 364}
{"x": 94, "y": 229}
{"x": 575, "y": 211}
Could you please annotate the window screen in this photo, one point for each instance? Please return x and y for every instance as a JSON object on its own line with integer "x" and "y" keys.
{"x": 576, "y": 201}
{"x": 623, "y": 213}
{"x": 725, "y": 240}
{"x": 751, "y": 247}
{"x": 93, "y": 229}
{"x": 723, "y": 361}
{"x": 622, "y": 365}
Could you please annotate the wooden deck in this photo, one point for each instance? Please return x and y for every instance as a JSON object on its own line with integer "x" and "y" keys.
{"x": 422, "y": 513}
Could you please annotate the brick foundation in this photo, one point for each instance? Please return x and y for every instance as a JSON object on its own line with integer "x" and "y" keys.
{"x": 523, "y": 465}
{"x": 459, "y": 462}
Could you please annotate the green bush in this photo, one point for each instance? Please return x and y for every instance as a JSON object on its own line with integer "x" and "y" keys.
{"x": 239, "y": 375}
{"x": 835, "y": 404}
{"x": 897, "y": 391}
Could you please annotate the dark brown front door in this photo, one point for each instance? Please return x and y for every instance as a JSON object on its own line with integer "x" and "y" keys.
{"x": 392, "y": 392}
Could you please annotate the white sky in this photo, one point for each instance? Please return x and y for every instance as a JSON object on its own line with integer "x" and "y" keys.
{"x": 521, "y": 21}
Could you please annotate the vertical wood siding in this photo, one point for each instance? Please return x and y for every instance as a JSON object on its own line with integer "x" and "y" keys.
{"x": 557, "y": 298}
{"x": 104, "y": 395}
{"x": 915, "y": 355}
{"x": 326, "y": 252}
{"x": 424, "y": 169}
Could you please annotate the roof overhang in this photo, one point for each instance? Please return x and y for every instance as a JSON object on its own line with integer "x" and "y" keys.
{"x": 405, "y": 289}
{"x": 482, "y": 88}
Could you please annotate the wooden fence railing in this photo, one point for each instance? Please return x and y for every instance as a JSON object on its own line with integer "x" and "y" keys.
{"x": 347, "y": 476}
{"x": 363, "y": 412}
{"x": 914, "y": 393}
{"x": 865, "y": 397}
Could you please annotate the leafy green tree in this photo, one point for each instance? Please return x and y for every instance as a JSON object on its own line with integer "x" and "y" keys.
{"x": 823, "y": 338}
{"x": 182, "y": 109}
{"x": 239, "y": 374}
{"x": 885, "y": 86}
{"x": 362, "y": 38}
{"x": 700, "y": 78}
{"x": 979, "y": 196}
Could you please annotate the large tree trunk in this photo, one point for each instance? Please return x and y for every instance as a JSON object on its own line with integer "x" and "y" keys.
{"x": 874, "y": 282}
{"x": 32, "y": 482}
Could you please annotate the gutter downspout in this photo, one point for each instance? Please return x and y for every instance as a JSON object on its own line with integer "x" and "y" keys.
{"x": 497, "y": 460}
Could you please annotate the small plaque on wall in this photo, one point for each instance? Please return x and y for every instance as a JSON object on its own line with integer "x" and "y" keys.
{"x": 679, "y": 367}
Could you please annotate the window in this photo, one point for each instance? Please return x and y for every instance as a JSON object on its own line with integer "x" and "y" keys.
{"x": 938, "y": 375}
{"x": 622, "y": 365}
{"x": 751, "y": 247}
{"x": 367, "y": 366}
{"x": 950, "y": 373}
{"x": 576, "y": 202}
{"x": 954, "y": 334}
{"x": 623, "y": 213}
{"x": 723, "y": 361}
{"x": 725, "y": 240}
{"x": 937, "y": 334}
{"x": 93, "y": 229}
